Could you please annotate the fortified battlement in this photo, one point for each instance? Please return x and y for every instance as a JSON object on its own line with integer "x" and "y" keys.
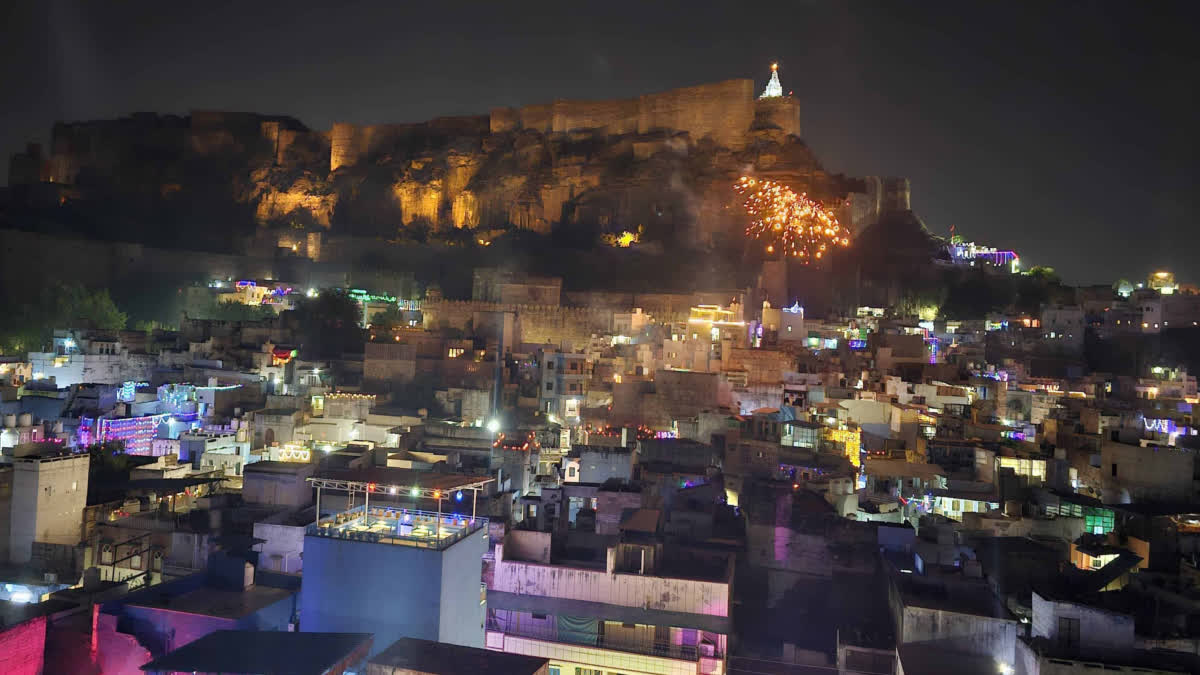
{"x": 664, "y": 162}
{"x": 353, "y": 143}
{"x": 722, "y": 111}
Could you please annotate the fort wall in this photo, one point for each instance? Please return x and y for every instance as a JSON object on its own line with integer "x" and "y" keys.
{"x": 351, "y": 144}
{"x": 722, "y": 111}
{"x": 781, "y": 113}
{"x": 553, "y": 324}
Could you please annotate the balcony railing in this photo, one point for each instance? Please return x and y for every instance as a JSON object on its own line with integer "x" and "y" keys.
{"x": 401, "y": 527}
{"x": 660, "y": 648}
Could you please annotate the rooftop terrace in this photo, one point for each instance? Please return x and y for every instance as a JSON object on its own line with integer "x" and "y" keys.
{"x": 398, "y": 527}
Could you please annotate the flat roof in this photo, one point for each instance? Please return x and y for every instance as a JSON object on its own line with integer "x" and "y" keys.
{"x": 900, "y": 467}
{"x": 276, "y": 411}
{"x": 271, "y": 466}
{"x": 440, "y": 658}
{"x": 246, "y": 652}
{"x": 208, "y": 601}
{"x": 960, "y": 597}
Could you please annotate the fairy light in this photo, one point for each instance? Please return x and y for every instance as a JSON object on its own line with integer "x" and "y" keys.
{"x": 795, "y": 225}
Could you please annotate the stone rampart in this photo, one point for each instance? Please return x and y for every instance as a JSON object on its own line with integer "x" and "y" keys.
{"x": 354, "y": 143}
{"x": 538, "y": 323}
{"x": 722, "y": 111}
{"x": 781, "y": 113}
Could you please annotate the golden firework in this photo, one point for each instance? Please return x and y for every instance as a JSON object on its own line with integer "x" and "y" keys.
{"x": 792, "y": 223}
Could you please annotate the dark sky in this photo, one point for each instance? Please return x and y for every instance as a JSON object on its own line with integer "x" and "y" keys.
{"x": 1067, "y": 131}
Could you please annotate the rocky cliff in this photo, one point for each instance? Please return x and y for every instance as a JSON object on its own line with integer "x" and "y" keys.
{"x": 662, "y": 162}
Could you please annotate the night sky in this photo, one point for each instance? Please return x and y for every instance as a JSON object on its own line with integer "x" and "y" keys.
{"x": 1067, "y": 131}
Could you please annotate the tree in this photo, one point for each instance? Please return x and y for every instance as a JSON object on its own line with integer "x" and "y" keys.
{"x": 30, "y": 325}
{"x": 388, "y": 319}
{"x": 74, "y": 305}
{"x": 231, "y": 310}
{"x": 1043, "y": 273}
{"x": 330, "y": 324}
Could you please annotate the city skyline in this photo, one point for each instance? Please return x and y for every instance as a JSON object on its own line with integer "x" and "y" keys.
{"x": 1007, "y": 139}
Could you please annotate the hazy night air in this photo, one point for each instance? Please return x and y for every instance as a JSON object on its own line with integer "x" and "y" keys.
{"x": 820, "y": 337}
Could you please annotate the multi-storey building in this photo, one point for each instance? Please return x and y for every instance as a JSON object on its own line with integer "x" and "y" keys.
{"x": 642, "y": 610}
{"x": 49, "y": 492}
{"x": 564, "y": 384}
{"x": 387, "y": 568}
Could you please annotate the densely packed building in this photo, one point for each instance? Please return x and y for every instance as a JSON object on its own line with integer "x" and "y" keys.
{"x": 697, "y": 484}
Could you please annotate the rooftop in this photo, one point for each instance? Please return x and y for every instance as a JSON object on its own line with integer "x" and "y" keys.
{"x": 1159, "y": 660}
{"x": 245, "y": 652}
{"x": 209, "y": 601}
{"x": 276, "y": 411}
{"x": 958, "y": 596}
{"x": 399, "y": 526}
{"x": 425, "y": 656}
{"x": 269, "y": 466}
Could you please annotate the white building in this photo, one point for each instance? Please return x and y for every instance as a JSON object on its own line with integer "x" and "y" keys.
{"x": 211, "y": 449}
{"x": 49, "y": 494}
{"x": 99, "y": 361}
{"x": 635, "y": 615}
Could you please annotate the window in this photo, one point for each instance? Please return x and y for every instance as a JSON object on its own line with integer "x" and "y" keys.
{"x": 539, "y": 617}
{"x": 1114, "y": 469}
{"x": 455, "y": 352}
{"x": 1068, "y": 632}
{"x": 549, "y": 386}
{"x": 549, "y": 365}
{"x": 571, "y": 472}
{"x": 554, "y": 670}
{"x": 588, "y": 671}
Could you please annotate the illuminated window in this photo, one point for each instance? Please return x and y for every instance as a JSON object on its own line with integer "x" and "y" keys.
{"x": 455, "y": 352}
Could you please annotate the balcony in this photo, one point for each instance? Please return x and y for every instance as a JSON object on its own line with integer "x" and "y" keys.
{"x": 397, "y": 527}
{"x": 662, "y": 649}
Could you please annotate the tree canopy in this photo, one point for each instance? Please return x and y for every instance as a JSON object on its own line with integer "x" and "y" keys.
{"x": 329, "y": 324}
{"x": 31, "y": 323}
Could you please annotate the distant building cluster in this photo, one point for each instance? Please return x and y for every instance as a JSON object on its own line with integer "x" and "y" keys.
{"x": 596, "y": 482}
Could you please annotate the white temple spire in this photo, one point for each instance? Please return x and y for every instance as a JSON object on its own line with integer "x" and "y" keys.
{"x": 774, "y": 89}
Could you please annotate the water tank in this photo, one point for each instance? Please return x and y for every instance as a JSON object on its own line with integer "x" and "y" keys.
{"x": 10, "y": 421}
{"x": 25, "y": 420}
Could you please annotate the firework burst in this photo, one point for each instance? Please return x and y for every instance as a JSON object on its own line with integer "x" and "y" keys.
{"x": 791, "y": 223}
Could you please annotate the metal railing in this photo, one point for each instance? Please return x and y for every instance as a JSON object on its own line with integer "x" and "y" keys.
{"x": 408, "y": 522}
{"x": 661, "y": 649}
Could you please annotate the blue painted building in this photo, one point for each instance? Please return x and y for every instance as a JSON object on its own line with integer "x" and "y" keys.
{"x": 395, "y": 573}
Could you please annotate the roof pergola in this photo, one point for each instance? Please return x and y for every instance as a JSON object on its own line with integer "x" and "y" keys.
{"x": 401, "y": 483}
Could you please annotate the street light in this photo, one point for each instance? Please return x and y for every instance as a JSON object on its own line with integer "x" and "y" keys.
{"x": 493, "y": 425}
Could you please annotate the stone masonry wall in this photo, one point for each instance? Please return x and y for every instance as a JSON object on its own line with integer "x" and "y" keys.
{"x": 722, "y": 111}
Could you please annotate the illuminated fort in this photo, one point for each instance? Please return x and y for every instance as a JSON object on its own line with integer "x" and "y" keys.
{"x": 663, "y": 160}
